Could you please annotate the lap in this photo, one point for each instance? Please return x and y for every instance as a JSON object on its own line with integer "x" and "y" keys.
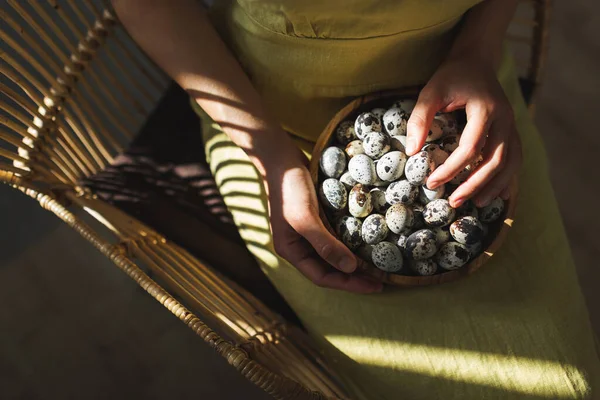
{"x": 518, "y": 328}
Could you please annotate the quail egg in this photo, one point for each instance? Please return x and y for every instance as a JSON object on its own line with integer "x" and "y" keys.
{"x": 401, "y": 192}
{"x": 376, "y": 144}
{"x": 426, "y": 195}
{"x": 467, "y": 230}
{"x": 401, "y": 242}
{"x": 418, "y": 168}
{"x": 387, "y": 257}
{"x": 423, "y": 267}
{"x": 442, "y": 235}
{"x": 333, "y": 162}
{"x": 394, "y": 121}
{"x": 475, "y": 249}
{"x": 492, "y": 211}
{"x": 438, "y": 155}
{"x": 354, "y": 147}
{"x": 450, "y": 143}
{"x": 348, "y": 180}
{"x": 407, "y": 105}
{"x": 452, "y": 255}
{"x": 378, "y": 112}
{"x": 359, "y": 201}
{"x": 420, "y": 245}
{"x": 398, "y": 142}
{"x": 378, "y": 200}
{"x": 374, "y": 229}
{"x": 390, "y": 167}
{"x": 365, "y": 123}
{"x": 438, "y": 213}
{"x": 435, "y": 131}
{"x": 448, "y": 122}
{"x": 362, "y": 169}
{"x": 345, "y": 132}
{"x": 399, "y": 217}
{"x": 333, "y": 194}
{"x": 349, "y": 229}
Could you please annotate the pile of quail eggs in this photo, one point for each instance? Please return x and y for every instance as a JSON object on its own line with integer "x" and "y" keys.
{"x": 379, "y": 206}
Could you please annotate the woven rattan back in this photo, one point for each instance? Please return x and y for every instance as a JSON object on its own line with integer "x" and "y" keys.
{"x": 74, "y": 90}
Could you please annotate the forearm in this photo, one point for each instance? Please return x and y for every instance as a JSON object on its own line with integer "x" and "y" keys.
{"x": 483, "y": 31}
{"x": 178, "y": 36}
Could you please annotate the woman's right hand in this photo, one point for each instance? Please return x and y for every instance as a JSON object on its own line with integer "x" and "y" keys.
{"x": 299, "y": 234}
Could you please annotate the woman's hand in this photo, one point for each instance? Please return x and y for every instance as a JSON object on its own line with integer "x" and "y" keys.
{"x": 470, "y": 83}
{"x": 299, "y": 234}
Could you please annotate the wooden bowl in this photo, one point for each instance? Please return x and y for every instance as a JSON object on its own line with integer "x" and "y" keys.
{"x": 497, "y": 230}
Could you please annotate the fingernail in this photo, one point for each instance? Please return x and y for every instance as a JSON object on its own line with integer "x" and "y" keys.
{"x": 347, "y": 264}
{"x": 431, "y": 184}
{"x": 410, "y": 146}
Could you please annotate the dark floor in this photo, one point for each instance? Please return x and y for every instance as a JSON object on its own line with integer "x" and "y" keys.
{"x": 73, "y": 326}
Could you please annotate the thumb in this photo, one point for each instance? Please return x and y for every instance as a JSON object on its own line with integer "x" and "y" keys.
{"x": 420, "y": 120}
{"x": 325, "y": 244}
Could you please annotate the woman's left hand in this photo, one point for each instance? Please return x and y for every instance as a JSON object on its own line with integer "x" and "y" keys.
{"x": 490, "y": 131}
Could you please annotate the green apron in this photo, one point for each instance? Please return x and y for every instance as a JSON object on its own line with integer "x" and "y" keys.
{"x": 518, "y": 328}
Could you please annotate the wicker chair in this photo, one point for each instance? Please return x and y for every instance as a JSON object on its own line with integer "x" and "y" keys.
{"x": 75, "y": 90}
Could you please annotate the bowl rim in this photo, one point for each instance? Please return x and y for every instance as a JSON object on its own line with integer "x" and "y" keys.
{"x": 365, "y": 267}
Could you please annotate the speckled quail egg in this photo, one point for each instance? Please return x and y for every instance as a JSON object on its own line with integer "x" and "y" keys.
{"x": 442, "y": 235}
{"x": 492, "y": 211}
{"x": 418, "y": 221}
{"x": 333, "y": 194}
{"x": 420, "y": 245}
{"x": 374, "y": 229}
{"x": 438, "y": 213}
{"x": 435, "y": 131}
{"x": 348, "y": 180}
{"x": 378, "y": 200}
{"x": 401, "y": 242}
{"x": 450, "y": 143}
{"x": 365, "y": 123}
{"x": 345, "y": 132}
{"x": 359, "y": 202}
{"x": 378, "y": 112}
{"x": 467, "y": 230}
{"x": 423, "y": 267}
{"x": 376, "y": 144}
{"x": 362, "y": 169}
{"x": 401, "y": 192}
{"x": 390, "y": 167}
{"x": 448, "y": 122}
{"x": 354, "y": 147}
{"x": 394, "y": 121}
{"x": 426, "y": 195}
{"x": 407, "y": 105}
{"x": 467, "y": 209}
{"x": 461, "y": 177}
{"x": 438, "y": 155}
{"x": 365, "y": 251}
{"x": 418, "y": 168}
{"x": 398, "y": 142}
{"x": 475, "y": 249}
{"x": 387, "y": 257}
{"x": 333, "y": 162}
{"x": 486, "y": 229}
{"x": 452, "y": 255}
{"x": 399, "y": 217}
{"x": 349, "y": 229}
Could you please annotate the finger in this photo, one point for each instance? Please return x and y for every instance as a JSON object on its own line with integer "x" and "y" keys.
{"x": 310, "y": 226}
{"x": 471, "y": 142}
{"x": 494, "y": 160}
{"x": 322, "y": 275}
{"x": 503, "y": 179}
{"x": 420, "y": 120}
